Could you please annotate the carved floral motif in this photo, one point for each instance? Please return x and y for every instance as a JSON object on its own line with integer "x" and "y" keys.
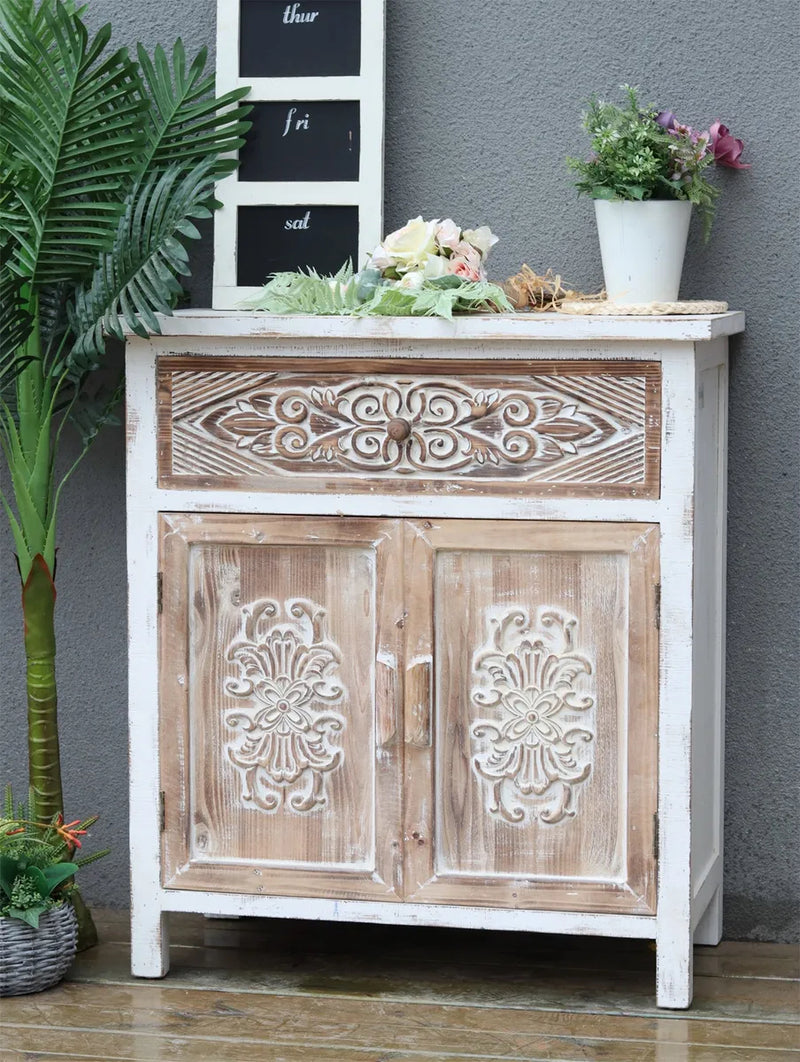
{"x": 287, "y": 672}
{"x": 407, "y": 426}
{"x": 529, "y": 673}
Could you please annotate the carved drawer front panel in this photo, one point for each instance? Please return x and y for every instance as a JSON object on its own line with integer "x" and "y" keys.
{"x": 541, "y": 693}
{"x": 585, "y": 428}
{"x": 279, "y": 751}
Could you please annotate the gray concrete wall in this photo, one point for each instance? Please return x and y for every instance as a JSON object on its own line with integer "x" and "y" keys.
{"x": 482, "y": 106}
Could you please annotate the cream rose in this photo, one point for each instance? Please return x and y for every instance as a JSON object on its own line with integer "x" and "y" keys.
{"x": 411, "y": 245}
{"x": 436, "y": 266}
{"x": 482, "y": 239}
{"x": 411, "y": 280}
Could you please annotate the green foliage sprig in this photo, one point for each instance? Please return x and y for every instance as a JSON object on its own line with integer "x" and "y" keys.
{"x": 635, "y": 158}
{"x": 368, "y": 294}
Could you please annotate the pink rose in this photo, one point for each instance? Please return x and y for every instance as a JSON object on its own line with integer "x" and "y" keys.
{"x": 466, "y": 262}
{"x": 448, "y": 233}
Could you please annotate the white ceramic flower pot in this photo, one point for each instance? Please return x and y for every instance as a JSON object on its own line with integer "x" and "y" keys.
{"x": 642, "y": 246}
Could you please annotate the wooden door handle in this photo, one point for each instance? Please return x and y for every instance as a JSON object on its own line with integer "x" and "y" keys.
{"x": 387, "y": 695}
{"x": 418, "y": 705}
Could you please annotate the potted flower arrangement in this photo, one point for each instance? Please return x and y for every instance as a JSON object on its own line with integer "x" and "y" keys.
{"x": 646, "y": 172}
{"x": 38, "y": 926}
{"x": 106, "y": 163}
{"x": 425, "y": 268}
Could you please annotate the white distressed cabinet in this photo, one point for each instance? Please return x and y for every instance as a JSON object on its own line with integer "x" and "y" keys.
{"x": 427, "y": 624}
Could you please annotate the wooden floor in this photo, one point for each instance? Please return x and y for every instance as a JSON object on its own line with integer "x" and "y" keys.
{"x": 257, "y": 991}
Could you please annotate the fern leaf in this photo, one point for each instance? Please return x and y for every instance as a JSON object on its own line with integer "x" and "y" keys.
{"x": 310, "y": 293}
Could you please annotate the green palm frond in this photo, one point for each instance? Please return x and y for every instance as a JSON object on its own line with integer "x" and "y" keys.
{"x": 186, "y": 123}
{"x": 136, "y": 279}
{"x": 93, "y": 412}
{"x": 53, "y": 317}
{"x": 16, "y": 15}
{"x": 16, "y": 324}
{"x": 71, "y": 120}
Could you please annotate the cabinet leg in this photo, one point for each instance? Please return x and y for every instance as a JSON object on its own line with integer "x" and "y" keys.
{"x": 674, "y": 970}
{"x": 709, "y": 928}
{"x": 149, "y": 943}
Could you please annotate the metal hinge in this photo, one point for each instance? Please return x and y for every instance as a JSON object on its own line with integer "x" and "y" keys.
{"x": 162, "y": 811}
{"x": 160, "y": 592}
{"x": 654, "y": 835}
{"x": 657, "y": 589}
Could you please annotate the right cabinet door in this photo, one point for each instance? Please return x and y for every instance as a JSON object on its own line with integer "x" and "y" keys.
{"x": 531, "y": 712}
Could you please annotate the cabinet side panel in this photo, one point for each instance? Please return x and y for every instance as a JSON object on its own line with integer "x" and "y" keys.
{"x": 709, "y": 620}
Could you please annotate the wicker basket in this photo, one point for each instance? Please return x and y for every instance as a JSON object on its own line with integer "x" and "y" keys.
{"x": 34, "y": 959}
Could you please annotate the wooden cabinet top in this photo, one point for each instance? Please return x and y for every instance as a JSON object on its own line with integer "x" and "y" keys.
{"x": 475, "y": 327}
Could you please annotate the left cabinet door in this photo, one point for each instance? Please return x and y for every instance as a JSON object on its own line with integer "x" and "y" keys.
{"x": 279, "y": 741}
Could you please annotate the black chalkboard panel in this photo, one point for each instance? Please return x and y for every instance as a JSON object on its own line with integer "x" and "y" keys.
{"x": 276, "y": 238}
{"x": 309, "y": 38}
{"x": 298, "y": 141}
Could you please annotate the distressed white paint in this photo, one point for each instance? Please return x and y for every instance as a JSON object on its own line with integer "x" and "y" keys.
{"x": 366, "y": 193}
{"x": 531, "y": 327}
{"x": 689, "y": 896}
{"x": 413, "y": 914}
{"x": 673, "y": 935}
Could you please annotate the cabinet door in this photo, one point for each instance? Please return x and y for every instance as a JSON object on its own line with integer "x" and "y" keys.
{"x": 531, "y": 714}
{"x": 280, "y": 745}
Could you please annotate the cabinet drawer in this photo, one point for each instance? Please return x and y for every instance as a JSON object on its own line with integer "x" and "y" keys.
{"x": 590, "y": 428}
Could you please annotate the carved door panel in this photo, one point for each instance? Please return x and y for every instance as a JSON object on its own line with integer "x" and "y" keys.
{"x": 531, "y": 714}
{"x": 280, "y": 745}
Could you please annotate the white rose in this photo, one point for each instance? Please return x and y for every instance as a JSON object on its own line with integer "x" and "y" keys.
{"x": 482, "y": 239}
{"x": 411, "y": 280}
{"x": 436, "y": 266}
{"x": 411, "y": 245}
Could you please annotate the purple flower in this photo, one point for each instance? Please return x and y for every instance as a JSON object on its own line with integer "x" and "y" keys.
{"x": 666, "y": 119}
{"x": 726, "y": 148}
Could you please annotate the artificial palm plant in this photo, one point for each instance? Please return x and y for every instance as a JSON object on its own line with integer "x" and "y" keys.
{"x": 106, "y": 162}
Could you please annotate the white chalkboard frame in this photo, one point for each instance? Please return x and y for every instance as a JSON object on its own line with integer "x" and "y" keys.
{"x": 366, "y": 193}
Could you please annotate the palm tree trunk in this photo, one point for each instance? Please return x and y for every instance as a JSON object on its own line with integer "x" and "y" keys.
{"x": 44, "y": 765}
{"x": 44, "y": 761}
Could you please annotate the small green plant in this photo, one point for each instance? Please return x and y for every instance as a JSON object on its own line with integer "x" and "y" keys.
{"x": 642, "y": 153}
{"x": 37, "y": 859}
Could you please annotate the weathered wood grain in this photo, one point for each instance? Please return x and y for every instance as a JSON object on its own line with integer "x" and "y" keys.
{"x": 553, "y": 623}
{"x": 279, "y": 764}
{"x": 324, "y": 995}
{"x": 583, "y": 428}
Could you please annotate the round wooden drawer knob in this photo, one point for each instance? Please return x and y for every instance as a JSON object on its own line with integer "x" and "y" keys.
{"x": 398, "y": 429}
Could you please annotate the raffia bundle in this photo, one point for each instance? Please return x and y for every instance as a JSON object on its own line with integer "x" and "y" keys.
{"x": 528, "y": 290}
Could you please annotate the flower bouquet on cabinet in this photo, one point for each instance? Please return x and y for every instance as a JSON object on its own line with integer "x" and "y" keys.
{"x": 425, "y": 268}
